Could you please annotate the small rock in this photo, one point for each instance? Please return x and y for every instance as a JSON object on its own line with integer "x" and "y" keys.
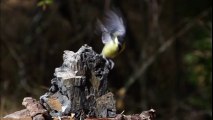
{"x": 33, "y": 106}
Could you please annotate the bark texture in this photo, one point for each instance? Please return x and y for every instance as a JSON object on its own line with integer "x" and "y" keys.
{"x": 80, "y": 86}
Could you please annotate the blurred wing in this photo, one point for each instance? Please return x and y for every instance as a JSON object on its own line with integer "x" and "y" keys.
{"x": 106, "y": 38}
{"x": 105, "y": 34}
{"x": 101, "y": 27}
{"x": 114, "y": 23}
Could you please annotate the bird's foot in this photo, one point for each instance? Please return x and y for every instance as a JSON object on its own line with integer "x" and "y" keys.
{"x": 110, "y": 63}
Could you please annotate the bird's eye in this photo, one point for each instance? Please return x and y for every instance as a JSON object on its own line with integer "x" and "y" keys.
{"x": 120, "y": 39}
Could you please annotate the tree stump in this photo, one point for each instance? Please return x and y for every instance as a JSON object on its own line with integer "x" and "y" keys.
{"x": 80, "y": 86}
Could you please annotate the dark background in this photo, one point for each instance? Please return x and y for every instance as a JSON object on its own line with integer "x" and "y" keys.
{"x": 166, "y": 64}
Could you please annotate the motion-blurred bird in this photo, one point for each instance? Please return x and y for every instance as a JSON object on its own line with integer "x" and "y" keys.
{"x": 113, "y": 31}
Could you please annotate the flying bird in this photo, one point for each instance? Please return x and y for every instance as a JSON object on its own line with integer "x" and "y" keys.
{"x": 113, "y": 31}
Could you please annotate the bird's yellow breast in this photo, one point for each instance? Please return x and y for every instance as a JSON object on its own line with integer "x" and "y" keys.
{"x": 110, "y": 49}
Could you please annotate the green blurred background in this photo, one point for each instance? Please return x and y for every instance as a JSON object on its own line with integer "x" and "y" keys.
{"x": 166, "y": 64}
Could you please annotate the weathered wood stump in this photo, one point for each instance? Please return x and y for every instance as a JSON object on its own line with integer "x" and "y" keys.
{"x": 80, "y": 86}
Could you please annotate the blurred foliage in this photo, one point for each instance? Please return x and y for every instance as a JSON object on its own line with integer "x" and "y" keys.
{"x": 199, "y": 67}
{"x": 44, "y": 3}
{"x": 167, "y": 63}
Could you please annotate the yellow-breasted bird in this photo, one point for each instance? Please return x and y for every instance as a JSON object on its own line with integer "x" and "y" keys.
{"x": 113, "y": 31}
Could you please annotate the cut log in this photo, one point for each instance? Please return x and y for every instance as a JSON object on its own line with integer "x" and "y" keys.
{"x": 80, "y": 86}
